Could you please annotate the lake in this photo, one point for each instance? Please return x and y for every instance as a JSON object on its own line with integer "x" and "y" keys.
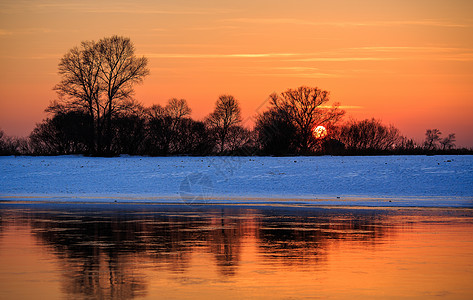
{"x": 138, "y": 251}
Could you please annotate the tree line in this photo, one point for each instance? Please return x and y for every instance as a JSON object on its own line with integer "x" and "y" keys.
{"x": 95, "y": 114}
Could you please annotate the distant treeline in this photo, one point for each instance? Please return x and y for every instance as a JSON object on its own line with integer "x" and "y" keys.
{"x": 95, "y": 114}
{"x": 168, "y": 130}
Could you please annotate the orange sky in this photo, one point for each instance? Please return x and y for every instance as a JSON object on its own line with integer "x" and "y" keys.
{"x": 409, "y": 63}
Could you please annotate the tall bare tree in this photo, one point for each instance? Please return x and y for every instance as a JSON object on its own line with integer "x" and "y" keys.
{"x": 120, "y": 69}
{"x": 225, "y": 115}
{"x": 80, "y": 87}
{"x": 305, "y": 108}
{"x": 98, "y": 78}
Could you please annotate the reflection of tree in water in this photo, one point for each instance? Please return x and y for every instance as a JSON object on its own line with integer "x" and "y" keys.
{"x": 225, "y": 235}
{"x": 305, "y": 235}
{"x": 95, "y": 252}
{"x": 98, "y": 250}
{"x": 101, "y": 251}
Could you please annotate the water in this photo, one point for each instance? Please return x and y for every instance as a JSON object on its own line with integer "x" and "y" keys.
{"x": 108, "y": 251}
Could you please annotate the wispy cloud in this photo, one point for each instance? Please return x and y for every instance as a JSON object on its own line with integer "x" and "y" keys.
{"x": 154, "y": 12}
{"x": 296, "y": 71}
{"x": 211, "y": 28}
{"x": 417, "y": 52}
{"x": 237, "y": 55}
{"x": 409, "y": 48}
{"x": 289, "y": 56}
{"x": 343, "y": 59}
{"x": 294, "y": 21}
{"x": 4, "y": 32}
{"x": 104, "y": 8}
{"x": 314, "y": 75}
{"x": 134, "y": 8}
{"x": 361, "y": 54}
{"x": 26, "y": 31}
{"x": 33, "y": 57}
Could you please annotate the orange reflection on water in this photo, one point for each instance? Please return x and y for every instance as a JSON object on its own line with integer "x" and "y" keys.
{"x": 182, "y": 253}
{"x": 27, "y": 270}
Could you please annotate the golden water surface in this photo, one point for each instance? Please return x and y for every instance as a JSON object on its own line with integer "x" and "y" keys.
{"x": 60, "y": 251}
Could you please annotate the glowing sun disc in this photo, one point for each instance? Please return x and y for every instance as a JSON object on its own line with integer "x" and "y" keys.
{"x": 320, "y": 132}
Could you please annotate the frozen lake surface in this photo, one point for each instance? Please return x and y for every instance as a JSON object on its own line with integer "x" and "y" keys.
{"x": 362, "y": 181}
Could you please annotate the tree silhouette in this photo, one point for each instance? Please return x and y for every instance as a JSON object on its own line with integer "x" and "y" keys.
{"x": 66, "y": 132}
{"x": 178, "y": 108}
{"x": 369, "y": 134}
{"x": 448, "y": 142}
{"x": 226, "y": 114}
{"x": 305, "y": 109}
{"x": 120, "y": 69}
{"x": 128, "y": 130}
{"x": 168, "y": 127}
{"x": 432, "y": 137}
{"x": 276, "y": 133}
{"x": 3, "y": 143}
{"x": 98, "y": 78}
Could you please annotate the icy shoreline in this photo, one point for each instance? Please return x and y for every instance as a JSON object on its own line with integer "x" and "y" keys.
{"x": 379, "y": 181}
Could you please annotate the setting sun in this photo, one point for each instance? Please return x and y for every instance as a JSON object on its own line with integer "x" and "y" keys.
{"x": 320, "y": 132}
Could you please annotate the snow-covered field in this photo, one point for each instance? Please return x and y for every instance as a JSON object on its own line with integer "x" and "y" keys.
{"x": 364, "y": 181}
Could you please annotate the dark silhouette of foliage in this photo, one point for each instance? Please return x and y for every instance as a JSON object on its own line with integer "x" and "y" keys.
{"x": 20, "y": 145}
{"x": 448, "y": 142}
{"x": 276, "y": 133}
{"x": 434, "y": 141}
{"x": 192, "y": 138}
{"x": 332, "y": 146}
{"x": 13, "y": 145}
{"x": 128, "y": 132}
{"x": 369, "y": 134}
{"x": 225, "y": 115}
{"x": 432, "y": 138}
{"x": 3, "y": 143}
{"x": 65, "y": 133}
{"x": 240, "y": 140}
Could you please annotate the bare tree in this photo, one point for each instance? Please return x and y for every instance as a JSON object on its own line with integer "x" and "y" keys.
{"x": 80, "y": 87}
{"x": 239, "y": 138}
{"x": 369, "y": 134}
{"x": 432, "y": 137}
{"x": 178, "y": 108}
{"x": 4, "y": 149}
{"x": 448, "y": 142}
{"x": 407, "y": 144}
{"x": 120, "y": 69}
{"x": 98, "y": 78}
{"x": 13, "y": 145}
{"x": 155, "y": 111}
{"x": 226, "y": 114}
{"x": 2, "y": 142}
{"x": 305, "y": 107}
{"x": 164, "y": 126}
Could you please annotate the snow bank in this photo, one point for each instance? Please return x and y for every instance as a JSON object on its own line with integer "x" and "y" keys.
{"x": 365, "y": 181}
